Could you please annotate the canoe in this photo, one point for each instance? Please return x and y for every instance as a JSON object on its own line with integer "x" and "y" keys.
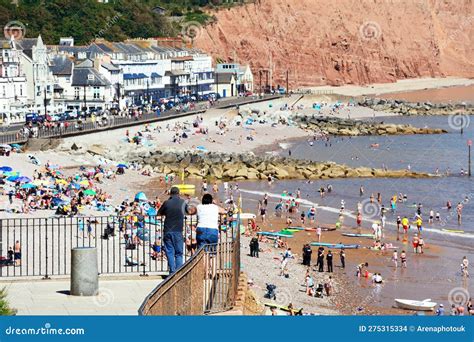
{"x": 334, "y": 245}
{"x": 457, "y": 231}
{"x": 274, "y": 234}
{"x": 296, "y": 228}
{"x": 281, "y": 307}
{"x": 312, "y": 229}
{"x": 286, "y": 232}
{"x": 185, "y": 186}
{"x": 416, "y": 305}
{"x": 358, "y": 235}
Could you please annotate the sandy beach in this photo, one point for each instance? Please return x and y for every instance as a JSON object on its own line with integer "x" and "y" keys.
{"x": 399, "y": 86}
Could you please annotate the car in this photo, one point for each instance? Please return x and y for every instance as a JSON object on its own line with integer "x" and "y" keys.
{"x": 34, "y": 118}
{"x": 71, "y": 115}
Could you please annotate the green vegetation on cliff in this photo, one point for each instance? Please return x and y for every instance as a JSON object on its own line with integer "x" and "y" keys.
{"x": 116, "y": 20}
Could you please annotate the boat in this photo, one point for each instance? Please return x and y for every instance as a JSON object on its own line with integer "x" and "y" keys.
{"x": 274, "y": 234}
{"x": 358, "y": 235}
{"x": 456, "y": 231}
{"x": 291, "y": 230}
{"x": 312, "y": 229}
{"x": 328, "y": 229}
{"x": 286, "y": 232}
{"x": 335, "y": 245}
{"x": 185, "y": 186}
{"x": 416, "y": 305}
{"x": 283, "y": 308}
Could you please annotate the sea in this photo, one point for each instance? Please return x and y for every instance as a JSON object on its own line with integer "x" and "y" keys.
{"x": 444, "y": 155}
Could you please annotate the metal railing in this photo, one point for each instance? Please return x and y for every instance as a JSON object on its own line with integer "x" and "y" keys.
{"x": 207, "y": 283}
{"x": 14, "y": 134}
{"x": 125, "y": 244}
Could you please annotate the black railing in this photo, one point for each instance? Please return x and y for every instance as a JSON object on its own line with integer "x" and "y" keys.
{"x": 41, "y": 247}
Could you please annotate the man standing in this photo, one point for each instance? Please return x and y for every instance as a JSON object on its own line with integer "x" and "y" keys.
{"x": 307, "y": 255}
{"x": 329, "y": 261}
{"x": 174, "y": 209}
{"x": 321, "y": 260}
{"x": 342, "y": 255}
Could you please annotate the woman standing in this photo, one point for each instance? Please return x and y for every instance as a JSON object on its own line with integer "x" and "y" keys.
{"x": 207, "y": 231}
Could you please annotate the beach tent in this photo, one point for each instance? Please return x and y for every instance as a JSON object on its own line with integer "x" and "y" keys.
{"x": 141, "y": 197}
{"x": 6, "y": 169}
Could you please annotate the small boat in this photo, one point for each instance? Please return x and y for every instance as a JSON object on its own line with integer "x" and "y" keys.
{"x": 274, "y": 234}
{"x": 328, "y": 229}
{"x": 286, "y": 232}
{"x": 307, "y": 229}
{"x": 334, "y": 245}
{"x": 358, "y": 235}
{"x": 416, "y": 305}
{"x": 291, "y": 230}
{"x": 456, "y": 231}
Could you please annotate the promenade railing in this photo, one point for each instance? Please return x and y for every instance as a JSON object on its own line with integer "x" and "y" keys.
{"x": 125, "y": 244}
{"x": 206, "y": 284}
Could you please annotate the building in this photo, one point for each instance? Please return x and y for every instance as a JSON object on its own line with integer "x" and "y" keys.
{"x": 40, "y": 81}
{"x": 13, "y": 83}
{"x": 226, "y": 84}
{"x": 244, "y": 75}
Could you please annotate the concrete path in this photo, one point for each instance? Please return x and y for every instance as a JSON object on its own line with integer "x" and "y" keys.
{"x": 50, "y": 297}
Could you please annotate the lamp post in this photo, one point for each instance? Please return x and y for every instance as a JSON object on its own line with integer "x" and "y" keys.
{"x": 469, "y": 144}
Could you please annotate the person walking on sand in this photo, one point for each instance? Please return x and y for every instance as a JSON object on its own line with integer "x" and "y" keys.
{"x": 342, "y": 256}
{"x": 328, "y": 286}
{"x": 403, "y": 259}
{"x": 415, "y": 242}
{"x": 395, "y": 258}
{"x": 329, "y": 257}
{"x": 359, "y": 220}
{"x": 318, "y": 233}
{"x": 17, "y": 253}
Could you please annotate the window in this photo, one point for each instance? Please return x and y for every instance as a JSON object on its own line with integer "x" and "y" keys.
{"x": 96, "y": 92}
{"x": 21, "y": 90}
{"x": 76, "y": 93}
{"x": 4, "y": 91}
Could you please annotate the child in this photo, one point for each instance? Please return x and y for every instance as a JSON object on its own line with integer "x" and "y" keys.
{"x": 403, "y": 258}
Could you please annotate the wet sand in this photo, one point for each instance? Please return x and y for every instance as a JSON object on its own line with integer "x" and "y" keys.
{"x": 451, "y": 94}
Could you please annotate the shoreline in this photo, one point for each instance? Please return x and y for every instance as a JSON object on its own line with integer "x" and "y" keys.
{"x": 405, "y": 85}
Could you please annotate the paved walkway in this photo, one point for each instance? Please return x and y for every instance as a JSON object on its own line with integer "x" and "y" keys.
{"x": 50, "y": 297}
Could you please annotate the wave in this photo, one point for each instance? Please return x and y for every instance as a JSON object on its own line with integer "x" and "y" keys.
{"x": 309, "y": 204}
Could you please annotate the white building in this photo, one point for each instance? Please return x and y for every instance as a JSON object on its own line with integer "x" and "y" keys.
{"x": 36, "y": 66}
{"x": 13, "y": 85}
{"x": 243, "y": 73}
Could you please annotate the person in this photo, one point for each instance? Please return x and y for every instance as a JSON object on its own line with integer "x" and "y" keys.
{"x": 431, "y": 218}
{"x": 307, "y": 251}
{"x": 320, "y": 261}
{"x": 254, "y": 247}
{"x": 318, "y": 233}
{"x": 360, "y": 268}
{"x": 416, "y": 242}
{"x": 421, "y": 244}
{"x": 329, "y": 261}
{"x": 399, "y": 224}
{"x": 403, "y": 259}
{"x": 440, "y": 310}
{"x": 342, "y": 256}
{"x": 328, "y": 286}
{"x": 207, "y": 230}
{"x": 465, "y": 267}
{"x": 361, "y": 191}
{"x": 405, "y": 223}
{"x": 284, "y": 262}
{"x": 359, "y": 220}
{"x": 309, "y": 285}
{"x": 377, "y": 278}
{"x": 174, "y": 209}
{"x": 395, "y": 258}
{"x": 454, "y": 310}
{"x": 459, "y": 212}
{"x": 17, "y": 253}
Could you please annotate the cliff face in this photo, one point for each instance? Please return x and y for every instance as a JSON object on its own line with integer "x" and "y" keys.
{"x": 346, "y": 41}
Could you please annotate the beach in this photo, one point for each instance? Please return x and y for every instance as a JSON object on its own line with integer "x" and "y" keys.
{"x": 351, "y": 295}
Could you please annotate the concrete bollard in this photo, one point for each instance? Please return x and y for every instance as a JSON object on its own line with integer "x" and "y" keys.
{"x": 84, "y": 271}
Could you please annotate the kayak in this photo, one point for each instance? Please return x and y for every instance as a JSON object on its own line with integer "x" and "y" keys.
{"x": 334, "y": 245}
{"x": 457, "y": 231}
{"x": 424, "y": 305}
{"x": 358, "y": 235}
{"x": 274, "y": 234}
{"x": 327, "y": 229}
{"x": 285, "y": 232}
{"x": 281, "y": 307}
{"x": 185, "y": 186}
{"x": 290, "y": 230}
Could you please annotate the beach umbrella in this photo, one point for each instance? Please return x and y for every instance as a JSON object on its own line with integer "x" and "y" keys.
{"x": 11, "y": 173}
{"x": 61, "y": 181}
{"x": 40, "y": 182}
{"x": 6, "y": 169}
{"x": 75, "y": 185}
{"x": 141, "y": 197}
{"x": 13, "y": 178}
{"x": 90, "y": 192}
{"x": 84, "y": 182}
{"x": 23, "y": 179}
{"x": 28, "y": 186}
{"x": 124, "y": 166}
